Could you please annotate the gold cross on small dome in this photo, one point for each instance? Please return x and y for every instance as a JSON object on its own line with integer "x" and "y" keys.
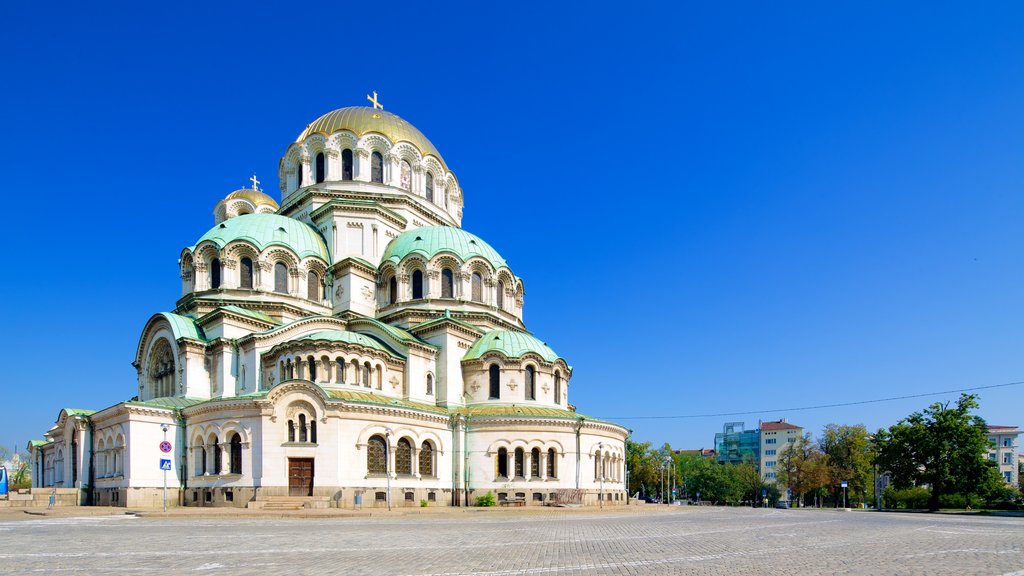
{"x": 255, "y": 183}
{"x": 376, "y": 104}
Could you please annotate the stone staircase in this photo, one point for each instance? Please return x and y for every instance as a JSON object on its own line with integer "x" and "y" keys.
{"x": 283, "y": 503}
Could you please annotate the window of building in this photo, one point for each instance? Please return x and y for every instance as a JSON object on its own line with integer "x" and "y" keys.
{"x": 376, "y": 168}
{"x": 769, "y": 452}
{"x": 430, "y": 385}
{"x": 303, "y": 435}
{"x": 500, "y": 296}
{"x": 551, "y": 463}
{"x": 1007, "y": 458}
{"x": 429, "y": 187}
{"x": 346, "y": 164}
{"x": 320, "y": 168}
{"x": 341, "y": 370}
{"x": 246, "y": 274}
{"x": 217, "y": 464}
{"x": 1008, "y": 477}
{"x": 405, "y": 176}
{"x": 311, "y": 362}
{"x": 427, "y": 460}
{"x": 403, "y": 457}
{"x": 215, "y": 273}
{"x": 520, "y": 457}
{"x": 291, "y": 431}
{"x": 236, "y": 454}
{"x": 298, "y": 175}
{"x": 313, "y": 286}
{"x": 501, "y": 464}
{"x": 769, "y": 464}
{"x": 558, "y": 387}
{"x": 417, "y": 285}
{"x": 770, "y": 441}
{"x": 447, "y": 284}
{"x": 392, "y": 290}
{"x": 494, "y": 374}
{"x": 531, "y": 383}
{"x": 281, "y": 278}
{"x": 1007, "y": 442}
{"x": 477, "y": 286}
{"x": 366, "y": 374}
{"x": 535, "y": 463}
{"x": 375, "y": 463}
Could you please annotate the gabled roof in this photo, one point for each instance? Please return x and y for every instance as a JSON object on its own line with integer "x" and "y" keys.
{"x": 167, "y": 402}
{"x": 183, "y": 326}
{"x": 359, "y": 397}
{"x": 250, "y": 314}
{"x": 348, "y": 337}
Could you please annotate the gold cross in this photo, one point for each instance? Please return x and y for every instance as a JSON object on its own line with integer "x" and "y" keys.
{"x": 255, "y": 183}
{"x": 374, "y": 100}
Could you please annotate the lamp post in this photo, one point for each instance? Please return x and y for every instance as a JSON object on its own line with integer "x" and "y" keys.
{"x": 165, "y": 427}
{"x": 387, "y": 463}
{"x": 600, "y": 467}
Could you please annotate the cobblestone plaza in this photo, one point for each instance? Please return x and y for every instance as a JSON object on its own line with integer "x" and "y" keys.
{"x": 494, "y": 543}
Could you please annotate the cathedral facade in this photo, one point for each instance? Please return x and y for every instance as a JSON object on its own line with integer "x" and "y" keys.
{"x": 351, "y": 345}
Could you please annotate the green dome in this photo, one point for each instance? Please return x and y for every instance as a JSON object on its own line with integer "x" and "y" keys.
{"x": 263, "y": 230}
{"x": 511, "y": 344}
{"x": 430, "y": 241}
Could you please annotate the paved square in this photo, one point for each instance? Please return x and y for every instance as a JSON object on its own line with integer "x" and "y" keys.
{"x": 495, "y": 543}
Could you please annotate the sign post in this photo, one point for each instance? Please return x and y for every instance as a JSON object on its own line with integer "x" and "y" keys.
{"x": 844, "y": 484}
{"x": 165, "y": 463}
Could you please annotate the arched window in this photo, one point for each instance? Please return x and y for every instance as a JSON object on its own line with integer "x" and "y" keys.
{"x": 320, "y": 171}
{"x": 355, "y": 372}
{"x": 245, "y": 274}
{"x": 520, "y": 460}
{"x": 312, "y": 430}
{"x": 500, "y": 300}
{"x": 392, "y": 290}
{"x": 427, "y": 460}
{"x": 375, "y": 463}
{"x": 477, "y": 285}
{"x": 403, "y": 457}
{"x": 281, "y": 278}
{"x": 346, "y": 164}
{"x": 494, "y": 374}
{"x": 376, "y": 168}
{"x": 366, "y": 374}
{"x": 535, "y": 463}
{"x": 502, "y": 463}
{"x": 217, "y": 458}
{"x": 551, "y": 463}
{"x": 558, "y": 387}
{"x": 430, "y": 384}
{"x": 291, "y": 431}
{"x": 302, "y": 428}
{"x": 298, "y": 174}
{"x": 406, "y": 176}
{"x": 236, "y": 454}
{"x": 312, "y": 368}
{"x": 199, "y": 466}
{"x": 313, "y": 286}
{"x": 341, "y": 370}
{"x": 202, "y": 469}
{"x": 447, "y": 284}
{"x": 215, "y": 273}
{"x": 417, "y": 285}
{"x": 531, "y": 383}
{"x": 430, "y": 187}
{"x": 597, "y": 465}
{"x": 161, "y": 369}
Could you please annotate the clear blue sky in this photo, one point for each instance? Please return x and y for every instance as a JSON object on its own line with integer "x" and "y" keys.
{"x": 715, "y": 207}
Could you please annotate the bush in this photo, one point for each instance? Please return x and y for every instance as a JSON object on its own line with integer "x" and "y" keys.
{"x": 953, "y": 501}
{"x": 423, "y": 503}
{"x": 487, "y": 499}
{"x": 915, "y": 498}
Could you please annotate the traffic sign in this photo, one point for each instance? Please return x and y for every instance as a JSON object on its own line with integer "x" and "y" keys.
{"x": 843, "y": 484}
{"x": 165, "y": 446}
{"x": 165, "y": 464}
{"x": 764, "y": 492}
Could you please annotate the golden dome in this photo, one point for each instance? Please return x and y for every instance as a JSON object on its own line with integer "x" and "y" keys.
{"x": 362, "y": 120}
{"x": 255, "y": 197}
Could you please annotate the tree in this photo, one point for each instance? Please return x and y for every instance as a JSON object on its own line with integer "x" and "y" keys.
{"x": 941, "y": 447}
{"x": 644, "y": 467}
{"x": 848, "y": 452}
{"x": 749, "y": 481}
{"x": 795, "y": 466}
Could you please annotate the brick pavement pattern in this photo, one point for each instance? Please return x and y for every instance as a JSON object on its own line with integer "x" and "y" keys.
{"x": 625, "y": 541}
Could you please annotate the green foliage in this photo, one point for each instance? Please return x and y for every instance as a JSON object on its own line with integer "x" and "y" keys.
{"x": 486, "y": 500}
{"x": 848, "y": 455}
{"x": 940, "y": 447}
{"x": 914, "y": 498}
{"x": 423, "y": 503}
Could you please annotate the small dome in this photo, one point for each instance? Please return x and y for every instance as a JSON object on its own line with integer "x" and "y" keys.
{"x": 263, "y": 230}
{"x": 255, "y": 197}
{"x": 346, "y": 337}
{"x": 430, "y": 241}
{"x": 361, "y": 120}
{"x": 511, "y": 344}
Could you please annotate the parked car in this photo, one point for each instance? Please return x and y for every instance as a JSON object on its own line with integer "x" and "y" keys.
{"x": 782, "y": 504}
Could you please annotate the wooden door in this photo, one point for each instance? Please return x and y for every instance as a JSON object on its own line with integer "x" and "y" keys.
{"x": 300, "y": 476}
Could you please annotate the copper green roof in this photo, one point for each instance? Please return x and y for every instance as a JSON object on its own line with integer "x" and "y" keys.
{"x": 430, "y": 241}
{"x": 183, "y": 326}
{"x": 77, "y": 412}
{"x": 395, "y": 332}
{"x": 359, "y": 397}
{"x": 446, "y": 318}
{"x": 355, "y": 338}
{"x": 263, "y": 230}
{"x": 40, "y": 443}
{"x": 167, "y": 402}
{"x": 250, "y": 313}
{"x": 482, "y": 410}
{"x": 362, "y": 120}
{"x": 511, "y": 344}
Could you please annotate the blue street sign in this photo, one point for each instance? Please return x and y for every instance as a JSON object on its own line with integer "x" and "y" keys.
{"x": 3, "y": 480}
{"x": 165, "y": 464}
{"x": 843, "y": 484}
{"x": 764, "y": 492}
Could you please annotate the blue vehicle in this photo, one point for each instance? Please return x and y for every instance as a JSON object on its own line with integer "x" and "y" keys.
{"x": 3, "y": 481}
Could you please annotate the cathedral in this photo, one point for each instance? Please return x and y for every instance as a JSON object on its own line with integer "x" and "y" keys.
{"x": 348, "y": 346}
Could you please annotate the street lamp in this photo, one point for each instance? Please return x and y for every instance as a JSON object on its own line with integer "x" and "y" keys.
{"x": 165, "y": 427}
{"x": 387, "y": 463}
{"x": 600, "y": 467}
{"x": 668, "y": 478}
